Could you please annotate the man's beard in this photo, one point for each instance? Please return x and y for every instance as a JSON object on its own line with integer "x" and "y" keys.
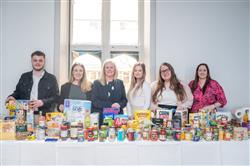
{"x": 40, "y": 69}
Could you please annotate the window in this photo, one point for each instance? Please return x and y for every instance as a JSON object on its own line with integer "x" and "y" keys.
{"x": 102, "y": 29}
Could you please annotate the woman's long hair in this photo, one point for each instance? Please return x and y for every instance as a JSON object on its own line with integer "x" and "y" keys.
{"x": 84, "y": 83}
{"x": 196, "y": 80}
{"x": 103, "y": 75}
{"x": 175, "y": 85}
{"x": 134, "y": 85}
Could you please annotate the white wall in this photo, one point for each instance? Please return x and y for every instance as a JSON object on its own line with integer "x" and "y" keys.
{"x": 214, "y": 32}
{"x": 26, "y": 26}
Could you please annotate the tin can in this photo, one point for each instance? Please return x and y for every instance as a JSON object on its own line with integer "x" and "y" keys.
{"x": 80, "y": 135}
{"x": 145, "y": 134}
{"x": 216, "y": 134}
{"x": 73, "y": 131}
{"x": 112, "y": 135}
{"x": 221, "y": 134}
{"x": 40, "y": 134}
{"x": 169, "y": 134}
{"x": 138, "y": 135}
{"x": 209, "y": 135}
{"x": 154, "y": 134}
{"x": 163, "y": 135}
{"x": 120, "y": 134}
{"x": 197, "y": 134}
{"x": 130, "y": 134}
{"x": 177, "y": 135}
{"x": 103, "y": 133}
{"x": 95, "y": 131}
{"x": 64, "y": 132}
{"x": 227, "y": 135}
{"x": 91, "y": 134}
{"x": 238, "y": 134}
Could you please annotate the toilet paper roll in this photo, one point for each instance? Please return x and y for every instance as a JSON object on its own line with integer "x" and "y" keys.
{"x": 238, "y": 113}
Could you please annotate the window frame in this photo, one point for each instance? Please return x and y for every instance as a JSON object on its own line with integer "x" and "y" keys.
{"x": 105, "y": 46}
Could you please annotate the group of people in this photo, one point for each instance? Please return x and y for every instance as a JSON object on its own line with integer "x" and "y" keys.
{"x": 167, "y": 91}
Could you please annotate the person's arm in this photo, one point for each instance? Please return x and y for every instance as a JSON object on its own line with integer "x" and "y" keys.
{"x": 220, "y": 96}
{"x": 96, "y": 93}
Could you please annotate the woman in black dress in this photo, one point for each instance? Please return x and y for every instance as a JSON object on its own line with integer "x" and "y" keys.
{"x": 77, "y": 88}
{"x": 108, "y": 91}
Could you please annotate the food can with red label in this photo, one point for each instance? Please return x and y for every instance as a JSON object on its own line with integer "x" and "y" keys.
{"x": 130, "y": 134}
{"x": 162, "y": 135}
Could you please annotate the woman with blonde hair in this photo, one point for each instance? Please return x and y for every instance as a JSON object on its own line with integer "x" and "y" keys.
{"x": 108, "y": 91}
{"x": 169, "y": 92}
{"x": 77, "y": 88}
{"x": 139, "y": 93}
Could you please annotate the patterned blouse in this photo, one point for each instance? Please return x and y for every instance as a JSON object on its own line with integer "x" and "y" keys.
{"x": 214, "y": 93}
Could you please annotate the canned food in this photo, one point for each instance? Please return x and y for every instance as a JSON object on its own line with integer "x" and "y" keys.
{"x": 145, "y": 134}
{"x": 91, "y": 134}
{"x": 112, "y": 135}
{"x": 138, "y": 135}
{"x": 130, "y": 134}
{"x": 162, "y": 135}
{"x": 120, "y": 134}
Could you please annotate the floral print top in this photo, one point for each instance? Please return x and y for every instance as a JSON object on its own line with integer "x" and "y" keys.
{"x": 214, "y": 93}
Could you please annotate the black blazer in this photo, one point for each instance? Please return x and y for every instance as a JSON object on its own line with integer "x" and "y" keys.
{"x": 47, "y": 90}
{"x": 103, "y": 96}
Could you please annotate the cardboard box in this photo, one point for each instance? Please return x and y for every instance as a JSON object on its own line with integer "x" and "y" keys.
{"x": 7, "y": 130}
{"x": 75, "y": 109}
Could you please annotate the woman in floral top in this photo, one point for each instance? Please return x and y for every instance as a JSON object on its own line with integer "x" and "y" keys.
{"x": 208, "y": 94}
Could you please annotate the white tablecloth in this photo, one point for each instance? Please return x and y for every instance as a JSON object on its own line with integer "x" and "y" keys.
{"x": 125, "y": 153}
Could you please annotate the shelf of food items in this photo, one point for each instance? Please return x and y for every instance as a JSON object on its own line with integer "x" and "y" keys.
{"x": 78, "y": 123}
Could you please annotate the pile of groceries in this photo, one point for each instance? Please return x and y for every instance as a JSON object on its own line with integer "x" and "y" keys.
{"x": 79, "y": 124}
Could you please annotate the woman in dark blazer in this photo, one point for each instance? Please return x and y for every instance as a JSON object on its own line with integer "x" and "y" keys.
{"x": 108, "y": 91}
{"x": 77, "y": 88}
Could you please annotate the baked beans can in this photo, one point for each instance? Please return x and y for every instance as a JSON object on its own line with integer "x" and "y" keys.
{"x": 130, "y": 134}
{"x": 112, "y": 135}
{"x": 162, "y": 135}
{"x": 120, "y": 134}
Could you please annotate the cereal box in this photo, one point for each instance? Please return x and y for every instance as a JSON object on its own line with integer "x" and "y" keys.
{"x": 140, "y": 115}
{"x": 76, "y": 109}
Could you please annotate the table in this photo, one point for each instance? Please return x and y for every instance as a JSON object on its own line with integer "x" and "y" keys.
{"x": 125, "y": 153}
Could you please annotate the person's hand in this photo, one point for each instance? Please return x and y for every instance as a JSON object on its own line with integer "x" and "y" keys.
{"x": 209, "y": 107}
{"x": 36, "y": 104}
{"x": 180, "y": 108}
{"x": 10, "y": 98}
{"x": 61, "y": 107}
{"x": 115, "y": 105}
